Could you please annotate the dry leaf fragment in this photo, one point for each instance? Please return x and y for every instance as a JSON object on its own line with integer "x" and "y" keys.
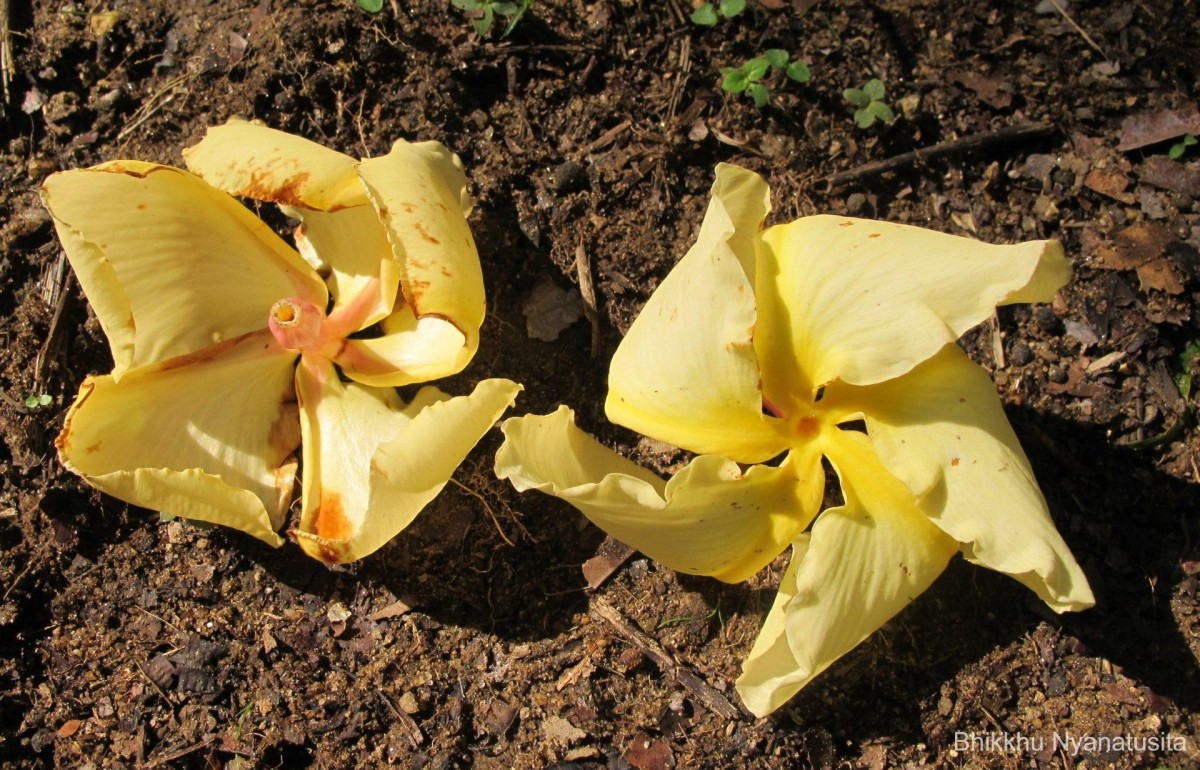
{"x": 1153, "y": 127}
{"x": 1111, "y": 183}
{"x": 645, "y": 753}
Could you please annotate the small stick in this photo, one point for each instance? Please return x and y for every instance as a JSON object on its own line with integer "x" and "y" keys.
{"x": 411, "y": 729}
{"x": 705, "y": 693}
{"x": 962, "y": 144}
{"x": 583, "y": 268}
{"x": 7, "y": 69}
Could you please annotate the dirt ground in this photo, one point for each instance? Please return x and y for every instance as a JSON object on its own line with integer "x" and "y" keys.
{"x": 590, "y": 135}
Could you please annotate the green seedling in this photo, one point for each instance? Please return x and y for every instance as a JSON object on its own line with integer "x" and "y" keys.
{"x": 869, "y": 104}
{"x": 748, "y": 78}
{"x": 371, "y": 6}
{"x": 1179, "y": 148}
{"x": 483, "y": 13}
{"x": 715, "y": 612}
{"x": 708, "y": 15}
{"x": 40, "y": 401}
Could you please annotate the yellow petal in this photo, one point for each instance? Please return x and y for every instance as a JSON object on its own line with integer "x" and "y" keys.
{"x": 372, "y": 464}
{"x": 207, "y": 436}
{"x": 686, "y": 373}
{"x": 942, "y": 430}
{"x": 861, "y": 564}
{"x": 865, "y": 301}
{"x": 710, "y": 519}
{"x": 363, "y": 276}
{"x": 170, "y": 264}
{"x": 420, "y": 193}
{"x": 411, "y": 350}
{"x": 770, "y": 674}
{"x": 253, "y": 161}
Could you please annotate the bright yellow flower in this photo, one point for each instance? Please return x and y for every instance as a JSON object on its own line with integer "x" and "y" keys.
{"x": 229, "y": 348}
{"x": 831, "y": 338}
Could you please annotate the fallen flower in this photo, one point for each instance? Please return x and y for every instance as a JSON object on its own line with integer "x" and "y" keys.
{"x": 229, "y": 349}
{"x": 828, "y": 338}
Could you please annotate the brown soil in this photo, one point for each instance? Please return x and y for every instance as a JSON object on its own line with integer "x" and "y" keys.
{"x": 129, "y": 642}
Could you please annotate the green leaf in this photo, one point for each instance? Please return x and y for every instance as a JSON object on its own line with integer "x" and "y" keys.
{"x": 856, "y": 97}
{"x": 731, "y": 8}
{"x": 758, "y": 92}
{"x": 874, "y": 89}
{"x": 31, "y": 402}
{"x": 1183, "y": 372}
{"x": 777, "y": 58}
{"x": 1176, "y": 151}
{"x": 505, "y": 9}
{"x": 799, "y": 72}
{"x": 705, "y": 15}
{"x": 483, "y": 24}
{"x": 756, "y": 68}
{"x": 864, "y": 118}
{"x": 45, "y": 399}
{"x": 735, "y": 80}
{"x": 1189, "y": 140}
{"x": 465, "y": 5}
{"x": 515, "y": 17}
{"x": 371, "y": 6}
{"x": 882, "y": 111}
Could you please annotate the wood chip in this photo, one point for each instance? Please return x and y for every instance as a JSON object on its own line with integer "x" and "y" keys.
{"x": 646, "y": 753}
{"x": 611, "y": 554}
{"x": 393, "y": 610}
{"x": 1162, "y": 125}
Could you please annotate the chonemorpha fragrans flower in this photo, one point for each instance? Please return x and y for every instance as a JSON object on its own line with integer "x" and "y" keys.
{"x": 832, "y": 338}
{"x": 232, "y": 350}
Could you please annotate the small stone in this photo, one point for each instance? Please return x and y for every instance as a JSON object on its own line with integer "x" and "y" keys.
{"x": 1021, "y": 354}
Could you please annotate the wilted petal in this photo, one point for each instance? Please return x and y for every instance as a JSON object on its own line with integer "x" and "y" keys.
{"x": 363, "y": 275}
{"x": 170, "y": 264}
{"x": 942, "y": 430}
{"x": 372, "y": 464}
{"x": 686, "y": 373}
{"x": 710, "y": 519}
{"x": 420, "y": 193}
{"x": 251, "y": 160}
{"x": 207, "y": 436}
{"x": 770, "y": 673}
{"x": 410, "y": 350}
{"x": 866, "y": 301}
{"x": 861, "y": 564}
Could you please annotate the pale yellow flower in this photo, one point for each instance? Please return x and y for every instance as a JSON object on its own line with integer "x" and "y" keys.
{"x": 229, "y": 348}
{"x": 832, "y": 338}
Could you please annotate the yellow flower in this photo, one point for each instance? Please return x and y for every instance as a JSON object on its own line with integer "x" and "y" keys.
{"x": 831, "y": 338}
{"x": 228, "y": 347}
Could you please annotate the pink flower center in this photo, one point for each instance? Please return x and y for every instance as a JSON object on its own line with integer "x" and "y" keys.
{"x": 295, "y": 322}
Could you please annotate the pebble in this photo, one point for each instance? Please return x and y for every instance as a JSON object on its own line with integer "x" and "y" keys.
{"x": 1021, "y": 354}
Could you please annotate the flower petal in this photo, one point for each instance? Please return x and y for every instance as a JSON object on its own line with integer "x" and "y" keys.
{"x": 420, "y": 193}
{"x": 363, "y": 276}
{"x": 686, "y": 372}
{"x": 710, "y": 519}
{"x": 865, "y": 301}
{"x": 942, "y": 430}
{"x": 411, "y": 350}
{"x": 253, "y": 161}
{"x": 371, "y": 465}
{"x": 170, "y": 264}
{"x": 207, "y": 436}
{"x": 770, "y": 674}
{"x": 862, "y": 563}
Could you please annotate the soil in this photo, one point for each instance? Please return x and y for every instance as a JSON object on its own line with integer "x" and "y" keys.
{"x": 590, "y": 134}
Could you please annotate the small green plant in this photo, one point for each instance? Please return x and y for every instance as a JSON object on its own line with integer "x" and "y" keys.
{"x": 1179, "y": 148}
{"x": 40, "y": 401}
{"x": 707, "y": 15}
{"x": 869, "y": 104}
{"x": 748, "y": 78}
{"x": 371, "y": 6}
{"x": 483, "y": 13}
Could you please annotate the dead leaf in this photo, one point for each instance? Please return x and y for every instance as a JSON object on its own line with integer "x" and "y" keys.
{"x": 560, "y": 732}
{"x": 100, "y": 24}
{"x": 1167, "y": 174}
{"x": 1153, "y": 127}
{"x": 69, "y": 728}
{"x": 609, "y": 556}
{"x": 549, "y": 310}
{"x": 1133, "y": 247}
{"x": 1110, "y": 183}
{"x": 393, "y": 610}
{"x": 991, "y": 90}
{"x": 645, "y": 753}
{"x": 1160, "y": 274}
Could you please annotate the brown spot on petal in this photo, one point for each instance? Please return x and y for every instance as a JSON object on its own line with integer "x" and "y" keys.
{"x": 846, "y": 224}
{"x": 409, "y": 208}
{"x": 289, "y": 192}
{"x": 94, "y": 448}
{"x": 141, "y": 207}
{"x": 874, "y": 235}
{"x": 954, "y": 462}
{"x": 425, "y": 234}
{"x": 446, "y": 272}
{"x": 329, "y": 520}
